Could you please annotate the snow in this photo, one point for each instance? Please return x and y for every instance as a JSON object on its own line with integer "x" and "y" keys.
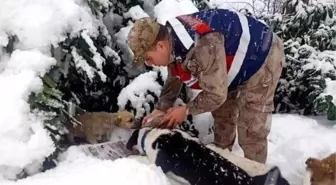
{"x": 122, "y": 38}
{"x": 99, "y": 60}
{"x": 331, "y": 2}
{"x": 81, "y": 63}
{"x": 76, "y": 168}
{"x": 104, "y": 3}
{"x": 202, "y": 123}
{"x": 39, "y": 23}
{"x": 292, "y": 140}
{"x": 295, "y": 138}
{"x": 251, "y": 5}
{"x": 110, "y": 52}
{"x": 174, "y": 8}
{"x": 136, "y": 12}
{"x": 22, "y": 136}
{"x": 325, "y": 62}
{"x": 318, "y": 61}
{"x": 25, "y": 143}
{"x": 330, "y": 89}
{"x": 136, "y": 93}
{"x": 3, "y": 38}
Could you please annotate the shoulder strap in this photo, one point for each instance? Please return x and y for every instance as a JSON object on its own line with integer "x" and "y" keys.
{"x": 198, "y": 25}
{"x": 181, "y": 32}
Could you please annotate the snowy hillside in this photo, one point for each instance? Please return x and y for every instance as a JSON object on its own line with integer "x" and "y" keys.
{"x": 38, "y": 26}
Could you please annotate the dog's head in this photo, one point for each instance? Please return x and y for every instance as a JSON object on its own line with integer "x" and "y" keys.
{"x": 273, "y": 176}
{"x": 126, "y": 119}
{"x": 145, "y": 139}
{"x": 322, "y": 172}
{"x": 331, "y": 161}
{"x": 137, "y": 138}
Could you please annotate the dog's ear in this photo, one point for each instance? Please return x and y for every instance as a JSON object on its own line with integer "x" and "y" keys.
{"x": 117, "y": 120}
{"x": 133, "y": 140}
{"x": 313, "y": 163}
{"x": 309, "y": 161}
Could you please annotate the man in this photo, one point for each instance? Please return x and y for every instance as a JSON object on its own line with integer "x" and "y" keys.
{"x": 235, "y": 61}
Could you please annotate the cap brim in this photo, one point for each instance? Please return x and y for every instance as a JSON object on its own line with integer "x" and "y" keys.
{"x": 138, "y": 61}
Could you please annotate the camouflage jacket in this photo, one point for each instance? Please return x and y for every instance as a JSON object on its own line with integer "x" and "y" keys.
{"x": 205, "y": 61}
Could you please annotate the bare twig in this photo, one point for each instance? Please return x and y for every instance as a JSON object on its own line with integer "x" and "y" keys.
{"x": 73, "y": 120}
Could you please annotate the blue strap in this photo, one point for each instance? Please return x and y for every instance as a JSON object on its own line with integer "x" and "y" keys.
{"x": 143, "y": 140}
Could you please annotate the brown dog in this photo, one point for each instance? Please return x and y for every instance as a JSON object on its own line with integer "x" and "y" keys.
{"x": 323, "y": 172}
{"x": 95, "y": 125}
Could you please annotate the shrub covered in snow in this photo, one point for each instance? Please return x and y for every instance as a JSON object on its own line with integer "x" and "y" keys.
{"x": 28, "y": 34}
{"x": 53, "y": 54}
{"x": 141, "y": 95}
{"x": 309, "y": 34}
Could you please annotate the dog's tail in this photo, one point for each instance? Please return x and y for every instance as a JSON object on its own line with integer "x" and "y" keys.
{"x": 272, "y": 177}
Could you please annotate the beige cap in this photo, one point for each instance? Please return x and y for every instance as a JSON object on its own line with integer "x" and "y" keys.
{"x": 141, "y": 37}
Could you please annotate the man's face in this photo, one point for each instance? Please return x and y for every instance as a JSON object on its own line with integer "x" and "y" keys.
{"x": 159, "y": 55}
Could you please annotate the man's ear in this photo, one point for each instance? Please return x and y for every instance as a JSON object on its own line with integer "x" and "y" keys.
{"x": 133, "y": 140}
{"x": 161, "y": 45}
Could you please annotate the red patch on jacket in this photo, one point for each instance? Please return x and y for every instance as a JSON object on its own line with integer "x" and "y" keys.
{"x": 185, "y": 77}
{"x": 195, "y": 23}
{"x": 189, "y": 79}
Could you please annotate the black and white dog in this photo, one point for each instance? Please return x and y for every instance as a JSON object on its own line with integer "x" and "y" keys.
{"x": 185, "y": 159}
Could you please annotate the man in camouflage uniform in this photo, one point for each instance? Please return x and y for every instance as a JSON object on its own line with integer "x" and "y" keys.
{"x": 233, "y": 61}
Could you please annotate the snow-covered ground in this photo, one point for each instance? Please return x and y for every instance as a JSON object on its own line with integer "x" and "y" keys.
{"x": 292, "y": 140}
{"x": 24, "y": 142}
{"x": 80, "y": 169}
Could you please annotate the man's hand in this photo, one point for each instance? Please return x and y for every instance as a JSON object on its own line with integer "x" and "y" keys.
{"x": 174, "y": 117}
{"x": 150, "y": 116}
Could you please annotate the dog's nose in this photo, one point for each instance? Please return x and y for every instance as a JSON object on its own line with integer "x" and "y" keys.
{"x": 137, "y": 123}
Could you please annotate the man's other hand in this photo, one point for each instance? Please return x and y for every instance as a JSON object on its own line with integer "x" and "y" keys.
{"x": 149, "y": 117}
{"x": 174, "y": 117}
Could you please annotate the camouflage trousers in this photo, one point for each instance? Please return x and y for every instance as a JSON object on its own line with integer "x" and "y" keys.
{"x": 248, "y": 109}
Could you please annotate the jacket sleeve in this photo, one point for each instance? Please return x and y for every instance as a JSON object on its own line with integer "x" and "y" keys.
{"x": 170, "y": 91}
{"x": 208, "y": 64}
